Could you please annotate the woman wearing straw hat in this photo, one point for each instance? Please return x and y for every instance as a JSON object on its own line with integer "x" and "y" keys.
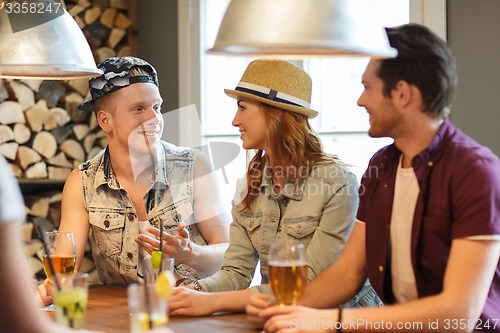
{"x": 292, "y": 191}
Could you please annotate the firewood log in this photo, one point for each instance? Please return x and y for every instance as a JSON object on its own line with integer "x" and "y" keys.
{"x": 37, "y": 115}
{"x": 62, "y": 133}
{"x": 27, "y": 156}
{"x": 92, "y": 14}
{"x": 120, "y": 4}
{"x": 24, "y": 95}
{"x": 122, "y": 21}
{"x": 76, "y": 9}
{"x": 81, "y": 130}
{"x": 108, "y": 17}
{"x": 9, "y": 150}
{"x": 37, "y": 171}
{"x": 21, "y": 133}
{"x": 51, "y": 91}
{"x": 60, "y": 160}
{"x": 60, "y": 115}
{"x": 73, "y": 149}
{"x": 16, "y": 170}
{"x": 58, "y": 173}
{"x": 12, "y": 113}
{"x": 45, "y": 144}
{"x": 40, "y": 207}
{"x": 115, "y": 37}
{"x": 105, "y": 52}
{"x": 88, "y": 142}
{"x": 6, "y": 134}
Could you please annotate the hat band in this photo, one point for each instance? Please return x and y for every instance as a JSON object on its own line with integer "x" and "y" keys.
{"x": 271, "y": 95}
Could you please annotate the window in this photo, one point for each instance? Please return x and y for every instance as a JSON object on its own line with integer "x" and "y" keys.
{"x": 341, "y": 124}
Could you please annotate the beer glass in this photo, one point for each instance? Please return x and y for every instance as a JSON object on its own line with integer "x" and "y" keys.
{"x": 62, "y": 250}
{"x": 287, "y": 272}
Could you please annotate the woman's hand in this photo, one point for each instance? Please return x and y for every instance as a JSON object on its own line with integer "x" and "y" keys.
{"x": 188, "y": 302}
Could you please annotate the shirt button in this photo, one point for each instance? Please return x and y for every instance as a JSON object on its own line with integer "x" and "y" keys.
{"x": 385, "y": 185}
{"x": 299, "y": 229}
{"x": 131, "y": 216}
{"x": 429, "y": 164}
{"x": 273, "y": 221}
{"x": 380, "y": 268}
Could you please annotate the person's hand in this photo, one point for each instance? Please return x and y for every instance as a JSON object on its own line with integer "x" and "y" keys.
{"x": 298, "y": 319}
{"x": 178, "y": 247}
{"x": 185, "y": 301}
{"x": 256, "y": 304}
{"x": 45, "y": 292}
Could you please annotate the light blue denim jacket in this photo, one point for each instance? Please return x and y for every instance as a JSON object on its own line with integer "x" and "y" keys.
{"x": 113, "y": 218}
{"x": 320, "y": 212}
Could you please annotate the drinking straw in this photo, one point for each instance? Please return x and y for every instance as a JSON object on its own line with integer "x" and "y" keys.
{"x": 146, "y": 293}
{"x": 148, "y": 303}
{"x": 156, "y": 190}
{"x": 161, "y": 240}
{"x": 47, "y": 253}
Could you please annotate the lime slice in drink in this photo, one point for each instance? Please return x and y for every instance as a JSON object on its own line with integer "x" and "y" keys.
{"x": 156, "y": 259}
{"x": 164, "y": 284}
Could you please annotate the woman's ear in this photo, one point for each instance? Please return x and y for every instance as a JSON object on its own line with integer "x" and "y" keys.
{"x": 104, "y": 119}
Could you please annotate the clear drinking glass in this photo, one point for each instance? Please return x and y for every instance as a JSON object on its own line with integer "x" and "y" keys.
{"x": 71, "y": 300}
{"x": 287, "y": 271}
{"x": 62, "y": 250}
{"x": 148, "y": 309}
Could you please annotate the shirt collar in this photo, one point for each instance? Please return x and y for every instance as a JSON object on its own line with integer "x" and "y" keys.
{"x": 433, "y": 151}
{"x": 429, "y": 154}
{"x": 106, "y": 175}
{"x": 290, "y": 190}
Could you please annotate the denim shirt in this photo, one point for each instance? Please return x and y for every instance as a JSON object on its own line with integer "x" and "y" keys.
{"x": 319, "y": 212}
{"x": 113, "y": 219}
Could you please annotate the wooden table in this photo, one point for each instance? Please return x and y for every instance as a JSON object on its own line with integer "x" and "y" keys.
{"x": 108, "y": 311}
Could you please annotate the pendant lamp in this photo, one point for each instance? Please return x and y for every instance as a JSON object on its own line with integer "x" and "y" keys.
{"x": 301, "y": 28}
{"x": 40, "y": 47}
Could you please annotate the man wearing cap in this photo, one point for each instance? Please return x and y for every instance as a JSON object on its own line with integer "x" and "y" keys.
{"x": 139, "y": 182}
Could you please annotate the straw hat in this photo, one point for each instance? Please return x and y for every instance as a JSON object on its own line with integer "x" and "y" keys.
{"x": 278, "y": 83}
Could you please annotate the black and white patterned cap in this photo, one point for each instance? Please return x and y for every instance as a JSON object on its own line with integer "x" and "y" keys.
{"x": 115, "y": 76}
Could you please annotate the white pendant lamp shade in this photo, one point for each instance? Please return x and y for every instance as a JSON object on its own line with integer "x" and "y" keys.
{"x": 301, "y": 28}
{"x": 54, "y": 50}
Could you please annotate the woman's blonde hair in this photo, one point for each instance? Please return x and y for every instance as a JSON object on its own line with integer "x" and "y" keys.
{"x": 294, "y": 146}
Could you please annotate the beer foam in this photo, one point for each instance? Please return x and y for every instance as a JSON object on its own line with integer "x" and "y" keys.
{"x": 287, "y": 263}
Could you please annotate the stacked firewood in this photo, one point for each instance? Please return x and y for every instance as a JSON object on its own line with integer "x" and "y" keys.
{"x": 42, "y": 134}
{"x": 107, "y": 24}
{"x": 44, "y": 211}
{"x": 42, "y": 138}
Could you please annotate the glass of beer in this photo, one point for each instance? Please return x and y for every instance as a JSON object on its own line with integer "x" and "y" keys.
{"x": 287, "y": 272}
{"x": 62, "y": 250}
